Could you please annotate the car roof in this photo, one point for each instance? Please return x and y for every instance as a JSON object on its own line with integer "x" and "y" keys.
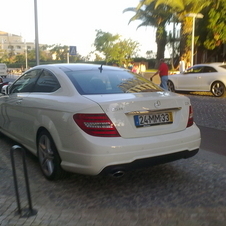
{"x": 210, "y": 64}
{"x": 78, "y": 66}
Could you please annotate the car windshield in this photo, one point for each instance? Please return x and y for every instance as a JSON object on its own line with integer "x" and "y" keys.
{"x": 110, "y": 82}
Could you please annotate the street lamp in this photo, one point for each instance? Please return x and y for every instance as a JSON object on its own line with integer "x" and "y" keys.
{"x": 36, "y": 33}
{"x": 25, "y": 49}
{"x": 193, "y": 15}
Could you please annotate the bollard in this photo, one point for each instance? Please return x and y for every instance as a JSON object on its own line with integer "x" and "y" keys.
{"x": 30, "y": 211}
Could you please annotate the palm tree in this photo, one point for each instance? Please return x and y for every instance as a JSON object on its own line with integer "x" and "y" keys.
{"x": 212, "y": 31}
{"x": 155, "y": 17}
{"x": 180, "y": 8}
{"x": 190, "y": 6}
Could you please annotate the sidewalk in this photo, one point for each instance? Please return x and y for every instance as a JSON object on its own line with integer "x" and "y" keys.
{"x": 188, "y": 192}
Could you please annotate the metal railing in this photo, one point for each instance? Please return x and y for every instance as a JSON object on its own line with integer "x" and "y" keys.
{"x": 22, "y": 212}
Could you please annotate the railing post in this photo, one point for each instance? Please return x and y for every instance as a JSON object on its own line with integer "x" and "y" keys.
{"x": 15, "y": 179}
{"x": 30, "y": 211}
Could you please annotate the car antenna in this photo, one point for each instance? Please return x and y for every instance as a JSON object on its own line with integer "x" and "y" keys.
{"x": 101, "y": 68}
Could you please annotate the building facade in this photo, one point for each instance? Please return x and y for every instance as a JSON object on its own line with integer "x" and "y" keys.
{"x": 11, "y": 42}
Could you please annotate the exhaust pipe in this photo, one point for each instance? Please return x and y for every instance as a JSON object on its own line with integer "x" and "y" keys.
{"x": 118, "y": 173}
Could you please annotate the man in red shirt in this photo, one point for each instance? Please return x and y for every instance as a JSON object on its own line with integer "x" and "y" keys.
{"x": 163, "y": 72}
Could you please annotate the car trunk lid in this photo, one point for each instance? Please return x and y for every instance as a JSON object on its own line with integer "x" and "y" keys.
{"x": 145, "y": 114}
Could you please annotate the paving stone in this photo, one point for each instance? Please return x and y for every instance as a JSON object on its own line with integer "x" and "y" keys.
{"x": 188, "y": 192}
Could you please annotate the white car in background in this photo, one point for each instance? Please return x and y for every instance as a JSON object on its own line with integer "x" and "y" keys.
{"x": 201, "y": 77}
{"x": 3, "y": 70}
{"x": 93, "y": 119}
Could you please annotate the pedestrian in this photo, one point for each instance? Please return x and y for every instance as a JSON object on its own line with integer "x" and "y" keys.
{"x": 130, "y": 66}
{"x": 142, "y": 68}
{"x": 181, "y": 65}
{"x": 135, "y": 68}
{"x": 163, "y": 72}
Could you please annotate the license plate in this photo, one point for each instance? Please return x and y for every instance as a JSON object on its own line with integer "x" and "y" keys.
{"x": 153, "y": 119}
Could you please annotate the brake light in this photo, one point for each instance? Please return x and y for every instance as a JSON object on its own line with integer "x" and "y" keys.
{"x": 96, "y": 125}
{"x": 190, "y": 117}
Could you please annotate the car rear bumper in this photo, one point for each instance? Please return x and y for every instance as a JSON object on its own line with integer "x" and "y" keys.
{"x": 147, "y": 162}
{"x": 93, "y": 157}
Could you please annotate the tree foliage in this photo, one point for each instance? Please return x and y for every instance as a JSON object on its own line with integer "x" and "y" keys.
{"x": 212, "y": 30}
{"x": 59, "y": 52}
{"x": 213, "y": 33}
{"x": 156, "y": 16}
{"x": 46, "y": 53}
{"x": 114, "y": 48}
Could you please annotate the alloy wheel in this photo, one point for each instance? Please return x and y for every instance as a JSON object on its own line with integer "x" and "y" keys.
{"x": 218, "y": 89}
{"x": 170, "y": 86}
{"x": 46, "y": 155}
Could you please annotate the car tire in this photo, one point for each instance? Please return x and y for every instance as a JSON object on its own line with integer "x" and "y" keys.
{"x": 171, "y": 87}
{"x": 49, "y": 158}
{"x": 218, "y": 89}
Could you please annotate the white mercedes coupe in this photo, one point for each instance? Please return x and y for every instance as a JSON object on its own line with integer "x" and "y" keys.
{"x": 96, "y": 119}
{"x": 201, "y": 77}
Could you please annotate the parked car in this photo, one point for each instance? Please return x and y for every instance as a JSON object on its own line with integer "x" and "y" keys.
{"x": 3, "y": 70}
{"x": 201, "y": 77}
{"x": 93, "y": 119}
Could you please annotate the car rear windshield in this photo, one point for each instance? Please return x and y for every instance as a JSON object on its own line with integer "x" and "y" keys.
{"x": 110, "y": 82}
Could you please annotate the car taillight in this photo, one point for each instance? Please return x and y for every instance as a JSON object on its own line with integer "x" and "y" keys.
{"x": 190, "y": 117}
{"x": 96, "y": 125}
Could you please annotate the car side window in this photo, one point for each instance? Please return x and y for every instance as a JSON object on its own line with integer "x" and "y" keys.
{"x": 26, "y": 82}
{"x": 209, "y": 69}
{"x": 47, "y": 82}
{"x": 197, "y": 69}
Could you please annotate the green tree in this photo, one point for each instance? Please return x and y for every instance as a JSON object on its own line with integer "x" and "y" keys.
{"x": 114, "y": 49}
{"x": 189, "y": 6}
{"x": 60, "y": 52}
{"x": 104, "y": 42}
{"x": 78, "y": 58}
{"x": 20, "y": 58}
{"x": 156, "y": 16}
{"x": 4, "y": 56}
{"x": 43, "y": 55}
{"x": 181, "y": 8}
{"x": 98, "y": 57}
{"x": 212, "y": 29}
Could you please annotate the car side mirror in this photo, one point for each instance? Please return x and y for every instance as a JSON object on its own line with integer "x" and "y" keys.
{"x": 5, "y": 89}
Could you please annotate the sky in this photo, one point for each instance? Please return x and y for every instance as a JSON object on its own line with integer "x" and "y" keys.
{"x": 73, "y": 22}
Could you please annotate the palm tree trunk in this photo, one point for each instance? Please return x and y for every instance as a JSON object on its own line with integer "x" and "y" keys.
{"x": 161, "y": 39}
{"x": 186, "y": 38}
